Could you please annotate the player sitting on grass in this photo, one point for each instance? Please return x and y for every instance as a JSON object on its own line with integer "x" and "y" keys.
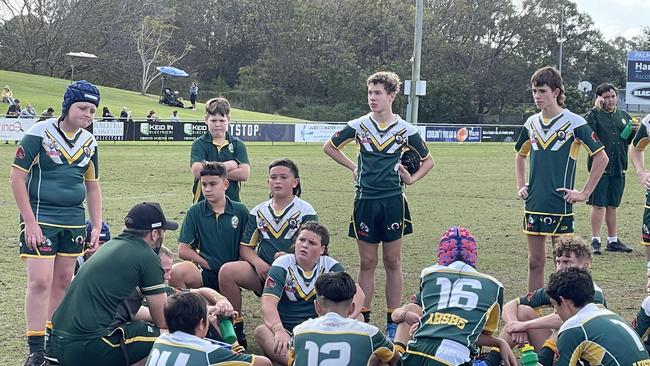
{"x": 271, "y": 226}
{"x": 211, "y": 232}
{"x": 461, "y": 307}
{"x": 641, "y": 323}
{"x": 590, "y": 332}
{"x": 188, "y": 319}
{"x": 333, "y": 338}
{"x": 522, "y": 314}
{"x": 290, "y": 290}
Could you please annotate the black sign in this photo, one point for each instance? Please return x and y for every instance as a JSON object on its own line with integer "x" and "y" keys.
{"x": 638, "y": 71}
{"x": 500, "y": 133}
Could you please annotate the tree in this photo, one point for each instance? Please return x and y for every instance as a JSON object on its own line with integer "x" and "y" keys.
{"x": 151, "y": 39}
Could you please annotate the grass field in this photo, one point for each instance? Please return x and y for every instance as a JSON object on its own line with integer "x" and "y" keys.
{"x": 43, "y": 92}
{"x": 472, "y": 185}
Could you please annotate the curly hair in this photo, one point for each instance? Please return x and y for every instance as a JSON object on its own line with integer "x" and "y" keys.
{"x": 571, "y": 283}
{"x": 388, "y": 79}
{"x": 567, "y": 244}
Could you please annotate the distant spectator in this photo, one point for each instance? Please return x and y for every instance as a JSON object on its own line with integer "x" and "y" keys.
{"x": 174, "y": 117}
{"x": 14, "y": 109}
{"x": 28, "y": 112}
{"x": 7, "y": 95}
{"x": 151, "y": 117}
{"x": 124, "y": 115}
{"x": 194, "y": 94}
{"x": 106, "y": 114}
{"x": 49, "y": 113}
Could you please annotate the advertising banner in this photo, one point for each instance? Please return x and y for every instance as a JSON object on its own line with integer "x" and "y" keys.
{"x": 13, "y": 129}
{"x": 108, "y": 131}
{"x": 637, "y": 90}
{"x": 315, "y": 132}
{"x": 189, "y": 131}
{"x": 453, "y": 134}
{"x": 500, "y": 133}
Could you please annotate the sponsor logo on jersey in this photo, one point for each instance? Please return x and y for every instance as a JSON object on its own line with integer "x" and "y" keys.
{"x": 270, "y": 283}
{"x": 399, "y": 139}
{"x": 234, "y": 221}
{"x": 446, "y": 318}
{"x": 561, "y": 135}
{"x": 548, "y": 220}
{"x": 79, "y": 240}
{"x": 293, "y": 224}
{"x": 261, "y": 225}
{"x": 595, "y": 137}
{"x": 290, "y": 286}
{"x": 53, "y": 149}
{"x": 394, "y": 226}
{"x": 231, "y": 148}
{"x": 20, "y": 152}
{"x": 363, "y": 229}
{"x": 87, "y": 151}
{"x": 45, "y": 246}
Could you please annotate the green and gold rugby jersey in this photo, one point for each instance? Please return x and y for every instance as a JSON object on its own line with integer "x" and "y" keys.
{"x": 295, "y": 287}
{"x": 183, "y": 349}
{"x": 204, "y": 149}
{"x": 271, "y": 232}
{"x": 90, "y": 305}
{"x": 553, "y": 147}
{"x": 642, "y": 327}
{"x": 540, "y": 299}
{"x": 334, "y": 340}
{"x": 57, "y": 166}
{"x": 599, "y": 337}
{"x": 459, "y": 303}
{"x": 380, "y": 149}
{"x": 640, "y": 142}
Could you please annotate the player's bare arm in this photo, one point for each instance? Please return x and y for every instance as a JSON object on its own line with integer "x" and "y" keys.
{"x": 339, "y": 157}
{"x": 550, "y": 321}
{"x": 249, "y": 255}
{"x": 281, "y": 338}
{"x": 33, "y": 234}
{"x": 94, "y": 199}
{"x": 156, "y": 304}
{"x": 520, "y": 176}
{"x": 638, "y": 161}
{"x": 196, "y": 169}
{"x": 600, "y": 161}
{"x": 187, "y": 253}
{"x": 425, "y": 167}
{"x": 237, "y": 172}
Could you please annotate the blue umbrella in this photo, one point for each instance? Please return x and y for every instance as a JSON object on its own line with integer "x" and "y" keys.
{"x": 169, "y": 70}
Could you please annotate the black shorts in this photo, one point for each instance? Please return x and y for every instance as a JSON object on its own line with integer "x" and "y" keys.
{"x": 547, "y": 224}
{"x": 380, "y": 220}
{"x": 608, "y": 191}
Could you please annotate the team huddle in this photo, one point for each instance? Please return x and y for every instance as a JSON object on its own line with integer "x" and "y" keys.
{"x": 121, "y": 300}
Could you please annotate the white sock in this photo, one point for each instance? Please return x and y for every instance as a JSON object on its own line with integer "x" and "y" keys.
{"x": 611, "y": 239}
{"x": 596, "y": 238}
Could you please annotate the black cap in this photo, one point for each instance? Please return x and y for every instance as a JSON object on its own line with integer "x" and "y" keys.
{"x": 148, "y": 216}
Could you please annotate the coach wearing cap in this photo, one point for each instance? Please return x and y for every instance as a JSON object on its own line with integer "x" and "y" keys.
{"x": 82, "y": 330}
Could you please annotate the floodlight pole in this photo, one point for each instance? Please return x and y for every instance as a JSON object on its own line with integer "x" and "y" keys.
{"x": 412, "y": 110}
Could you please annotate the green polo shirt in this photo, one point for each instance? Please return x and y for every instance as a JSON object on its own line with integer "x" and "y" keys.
{"x": 215, "y": 237}
{"x": 204, "y": 149}
{"x": 608, "y": 127}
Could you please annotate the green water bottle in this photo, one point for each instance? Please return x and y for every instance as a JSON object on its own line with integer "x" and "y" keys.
{"x": 226, "y": 329}
{"x": 627, "y": 130}
{"x": 528, "y": 356}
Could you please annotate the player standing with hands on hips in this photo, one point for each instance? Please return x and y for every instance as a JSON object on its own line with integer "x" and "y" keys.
{"x": 380, "y": 213}
{"x": 552, "y": 138}
{"x": 615, "y": 129}
{"x": 54, "y": 171}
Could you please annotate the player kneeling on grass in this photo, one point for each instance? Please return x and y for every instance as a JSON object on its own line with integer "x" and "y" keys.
{"x": 590, "y": 332}
{"x": 188, "y": 319}
{"x": 522, "y": 315}
{"x": 461, "y": 307}
{"x": 271, "y": 227}
{"x": 211, "y": 232}
{"x": 335, "y": 339}
{"x": 290, "y": 290}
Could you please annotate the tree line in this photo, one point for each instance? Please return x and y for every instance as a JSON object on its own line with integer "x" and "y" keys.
{"x": 310, "y": 59}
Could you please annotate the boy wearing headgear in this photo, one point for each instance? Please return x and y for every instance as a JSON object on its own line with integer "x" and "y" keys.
{"x": 55, "y": 169}
{"x": 461, "y": 307}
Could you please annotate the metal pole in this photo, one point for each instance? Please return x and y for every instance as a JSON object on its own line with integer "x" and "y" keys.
{"x": 72, "y": 74}
{"x": 561, "y": 39}
{"x": 412, "y": 111}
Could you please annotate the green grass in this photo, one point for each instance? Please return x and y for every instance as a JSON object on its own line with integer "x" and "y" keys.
{"x": 472, "y": 185}
{"x": 43, "y": 92}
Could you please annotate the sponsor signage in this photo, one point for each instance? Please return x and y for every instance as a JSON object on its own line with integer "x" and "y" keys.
{"x": 453, "y": 134}
{"x": 500, "y": 133}
{"x": 637, "y": 90}
{"x": 13, "y": 129}
{"x": 315, "y": 132}
{"x": 108, "y": 131}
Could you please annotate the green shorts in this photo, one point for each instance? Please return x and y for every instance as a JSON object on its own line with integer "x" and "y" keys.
{"x": 608, "y": 191}
{"x": 68, "y": 242}
{"x": 645, "y": 231}
{"x": 424, "y": 354}
{"x": 133, "y": 340}
{"x": 210, "y": 279}
{"x": 548, "y": 225}
{"x": 380, "y": 220}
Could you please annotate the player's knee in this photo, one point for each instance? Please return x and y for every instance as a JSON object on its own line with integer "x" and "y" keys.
{"x": 392, "y": 263}
{"x": 262, "y": 332}
{"x": 413, "y": 308}
{"x": 368, "y": 263}
{"x": 535, "y": 263}
{"x": 526, "y": 313}
{"x": 227, "y": 274}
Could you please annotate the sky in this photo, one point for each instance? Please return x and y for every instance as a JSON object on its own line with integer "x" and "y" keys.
{"x": 617, "y": 17}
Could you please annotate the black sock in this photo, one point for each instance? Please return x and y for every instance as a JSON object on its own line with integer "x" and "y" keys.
{"x": 366, "y": 315}
{"x": 36, "y": 343}
{"x": 493, "y": 358}
{"x": 389, "y": 316}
